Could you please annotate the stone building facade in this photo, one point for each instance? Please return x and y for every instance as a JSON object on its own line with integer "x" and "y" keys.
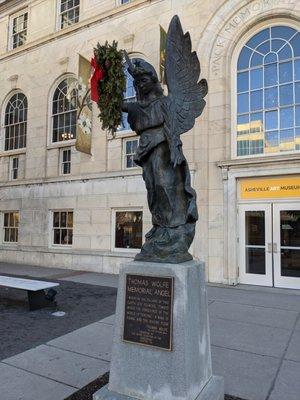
{"x": 61, "y": 207}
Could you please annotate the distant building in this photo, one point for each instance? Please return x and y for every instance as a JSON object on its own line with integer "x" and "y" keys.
{"x": 60, "y": 207}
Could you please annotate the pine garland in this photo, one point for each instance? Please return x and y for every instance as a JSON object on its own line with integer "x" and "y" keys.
{"x": 112, "y": 86}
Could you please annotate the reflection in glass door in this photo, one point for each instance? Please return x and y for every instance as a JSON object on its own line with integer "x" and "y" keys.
{"x": 255, "y": 245}
{"x": 287, "y": 245}
{"x": 255, "y": 250}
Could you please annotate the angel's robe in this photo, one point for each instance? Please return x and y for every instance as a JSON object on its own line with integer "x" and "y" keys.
{"x": 171, "y": 199}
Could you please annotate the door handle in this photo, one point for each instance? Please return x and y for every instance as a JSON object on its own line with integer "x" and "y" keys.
{"x": 274, "y": 247}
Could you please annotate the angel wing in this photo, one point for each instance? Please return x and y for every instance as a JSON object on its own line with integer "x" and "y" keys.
{"x": 185, "y": 93}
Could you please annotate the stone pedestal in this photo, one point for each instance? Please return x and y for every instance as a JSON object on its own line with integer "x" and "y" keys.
{"x": 149, "y": 373}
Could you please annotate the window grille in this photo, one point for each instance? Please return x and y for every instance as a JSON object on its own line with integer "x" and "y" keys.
{"x": 14, "y": 168}
{"x": 129, "y": 95}
{"x": 69, "y": 12}
{"x": 130, "y": 147}
{"x": 15, "y": 122}
{"x": 19, "y": 30}
{"x": 65, "y": 161}
{"x": 64, "y": 110}
{"x": 11, "y": 227}
{"x": 268, "y": 92}
{"x": 62, "y": 228}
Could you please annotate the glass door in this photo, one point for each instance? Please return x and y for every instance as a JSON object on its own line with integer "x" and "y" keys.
{"x": 286, "y": 233}
{"x": 255, "y": 244}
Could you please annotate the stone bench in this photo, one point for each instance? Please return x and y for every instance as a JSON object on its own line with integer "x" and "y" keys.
{"x": 37, "y": 296}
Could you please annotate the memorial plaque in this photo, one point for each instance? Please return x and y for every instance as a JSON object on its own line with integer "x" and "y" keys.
{"x": 148, "y": 311}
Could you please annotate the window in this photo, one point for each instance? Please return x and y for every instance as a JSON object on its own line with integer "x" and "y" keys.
{"x": 64, "y": 110}
{"x": 129, "y": 95}
{"x": 128, "y": 229}
{"x": 14, "y": 168}
{"x": 268, "y": 92}
{"x": 65, "y": 161}
{"x": 62, "y": 228}
{"x": 130, "y": 147}
{"x": 11, "y": 227}
{"x": 69, "y": 12}
{"x": 15, "y": 122}
{"x": 124, "y": 1}
{"x": 18, "y": 29}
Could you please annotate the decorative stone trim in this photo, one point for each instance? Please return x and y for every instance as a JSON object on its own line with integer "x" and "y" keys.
{"x": 86, "y": 177}
{"x": 293, "y": 158}
{"x": 230, "y": 22}
{"x": 13, "y": 78}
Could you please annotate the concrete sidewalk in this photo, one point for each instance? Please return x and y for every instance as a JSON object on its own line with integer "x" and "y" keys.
{"x": 255, "y": 335}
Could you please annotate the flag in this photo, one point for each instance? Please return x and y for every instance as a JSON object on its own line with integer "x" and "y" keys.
{"x": 162, "y": 54}
{"x": 84, "y": 110}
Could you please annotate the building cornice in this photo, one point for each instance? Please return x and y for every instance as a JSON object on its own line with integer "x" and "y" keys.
{"x": 70, "y": 179}
{"x": 86, "y": 23}
{"x": 82, "y": 178}
{"x": 8, "y": 4}
{"x": 259, "y": 161}
{"x": 67, "y": 251}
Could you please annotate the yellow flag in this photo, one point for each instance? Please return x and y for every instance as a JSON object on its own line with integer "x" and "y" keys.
{"x": 84, "y": 110}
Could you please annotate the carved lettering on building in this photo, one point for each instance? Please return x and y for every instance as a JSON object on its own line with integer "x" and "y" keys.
{"x": 218, "y": 54}
{"x": 243, "y": 15}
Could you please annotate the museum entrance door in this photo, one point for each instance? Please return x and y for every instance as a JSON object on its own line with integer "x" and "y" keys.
{"x": 269, "y": 244}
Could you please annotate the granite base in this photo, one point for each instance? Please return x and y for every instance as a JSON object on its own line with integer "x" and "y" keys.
{"x": 213, "y": 390}
{"x": 147, "y": 373}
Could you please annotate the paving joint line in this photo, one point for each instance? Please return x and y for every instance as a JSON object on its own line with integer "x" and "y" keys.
{"x": 76, "y": 352}
{"x": 254, "y": 305}
{"x": 254, "y": 288}
{"x": 41, "y": 376}
{"x": 244, "y": 351}
{"x": 105, "y": 323}
{"x": 291, "y": 360}
{"x": 66, "y": 275}
{"x": 252, "y": 323}
{"x": 282, "y": 359}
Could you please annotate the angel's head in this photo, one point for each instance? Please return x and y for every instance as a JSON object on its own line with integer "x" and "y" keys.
{"x": 145, "y": 78}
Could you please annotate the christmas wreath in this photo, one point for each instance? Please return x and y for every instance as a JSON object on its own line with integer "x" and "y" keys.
{"x": 110, "y": 83}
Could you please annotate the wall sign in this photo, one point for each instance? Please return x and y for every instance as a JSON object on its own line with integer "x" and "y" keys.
{"x": 148, "y": 311}
{"x": 270, "y": 188}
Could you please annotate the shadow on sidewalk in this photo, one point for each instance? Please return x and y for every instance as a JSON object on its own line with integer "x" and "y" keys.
{"x": 22, "y": 329}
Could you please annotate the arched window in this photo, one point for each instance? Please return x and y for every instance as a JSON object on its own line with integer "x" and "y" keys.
{"x": 64, "y": 110}
{"x": 268, "y": 92}
{"x": 15, "y": 122}
{"x": 129, "y": 95}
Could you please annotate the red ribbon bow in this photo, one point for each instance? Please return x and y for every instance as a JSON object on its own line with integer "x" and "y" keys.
{"x": 98, "y": 75}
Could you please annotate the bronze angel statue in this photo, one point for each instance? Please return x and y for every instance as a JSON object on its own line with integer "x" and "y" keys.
{"x": 159, "y": 120}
